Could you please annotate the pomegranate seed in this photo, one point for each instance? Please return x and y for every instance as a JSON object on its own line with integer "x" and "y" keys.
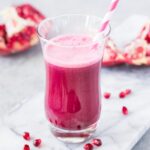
{"x": 107, "y": 95}
{"x": 88, "y": 146}
{"x": 147, "y": 38}
{"x": 148, "y": 53}
{"x": 125, "y": 110}
{"x": 125, "y": 54}
{"x": 128, "y": 91}
{"x": 26, "y": 147}
{"x": 37, "y": 142}
{"x": 56, "y": 122}
{"x": 62, "y": 124}
{"x": 122, "y": 94}
{"x": 78, "y": 127}
{"x": 140, "y": 49}
{"x": 113, "y": 55}
{"x": 26, "y": 136}
{"x": 50, "y": 120}
{"x": 97, "y": 142}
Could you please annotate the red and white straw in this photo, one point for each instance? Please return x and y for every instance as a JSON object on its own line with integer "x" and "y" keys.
{"x": 108, "y": 15}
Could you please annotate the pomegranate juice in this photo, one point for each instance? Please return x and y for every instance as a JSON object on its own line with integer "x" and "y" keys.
{"x": 72, "y": 82}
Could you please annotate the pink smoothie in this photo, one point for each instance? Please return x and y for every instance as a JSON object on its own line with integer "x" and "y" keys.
{"x": 72, "y": 82}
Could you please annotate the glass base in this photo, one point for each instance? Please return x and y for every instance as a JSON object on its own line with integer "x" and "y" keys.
{"x": 73, "y": 136}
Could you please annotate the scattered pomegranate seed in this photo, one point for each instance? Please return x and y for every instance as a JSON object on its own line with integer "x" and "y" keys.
{"x": 37, "y": 142}
{"x": 26, "y": 147}
{"x": 107, "y": 95}
{"x": 26, "y": 136}
{"x": 128, "y": 91}
{"x": 97, "y": 142}
{"x": 122, "y": 94}
{"x": 125, "y": 110}
{"x": 88, "y": 146}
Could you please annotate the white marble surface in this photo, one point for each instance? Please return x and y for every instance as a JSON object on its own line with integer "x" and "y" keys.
{"x": 22, "y": 75}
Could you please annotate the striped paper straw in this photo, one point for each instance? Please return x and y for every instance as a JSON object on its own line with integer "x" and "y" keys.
{"x": 108, "y": 15}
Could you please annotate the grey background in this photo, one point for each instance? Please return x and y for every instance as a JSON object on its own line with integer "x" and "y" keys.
{"x": 22, "y": 75}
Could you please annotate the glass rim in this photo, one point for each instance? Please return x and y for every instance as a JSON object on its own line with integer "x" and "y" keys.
{"x": 66, "y": 15}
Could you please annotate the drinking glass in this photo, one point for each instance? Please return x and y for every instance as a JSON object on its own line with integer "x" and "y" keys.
{"x": 73, "y": 63}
